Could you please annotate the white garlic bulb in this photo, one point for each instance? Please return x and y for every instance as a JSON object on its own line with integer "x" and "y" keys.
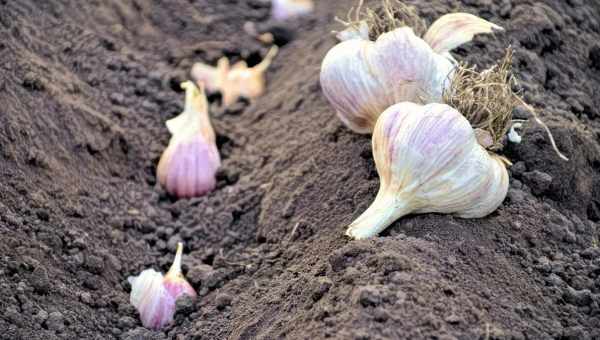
{"x": 286, "y": 9}
{"x": 154, "y": 296}
{"x": 428, "y": 160}
{"x": 361, "y": 78}
{"x": 188, "y": 166}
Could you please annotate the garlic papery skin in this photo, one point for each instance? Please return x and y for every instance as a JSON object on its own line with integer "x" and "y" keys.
{"x": 154, "y": 296}
{"x": 188, "y": 166}
{"x": 429, "y": 161}
{"x": 286, "y": 9}
{"x": 234, "y": 81}
{"x": 361, "y": 78}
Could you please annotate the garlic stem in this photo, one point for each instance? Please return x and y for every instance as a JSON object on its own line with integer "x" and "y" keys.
{"x": 384, "y": 211}
{"x": 176, "y": 266}
{"x": 268, "y": 59}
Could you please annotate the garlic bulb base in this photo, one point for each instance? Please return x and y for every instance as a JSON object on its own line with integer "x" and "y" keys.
{"x": 383, "y": 212}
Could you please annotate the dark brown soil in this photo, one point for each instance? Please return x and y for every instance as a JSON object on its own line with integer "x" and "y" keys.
{"x": 85, "y": 88}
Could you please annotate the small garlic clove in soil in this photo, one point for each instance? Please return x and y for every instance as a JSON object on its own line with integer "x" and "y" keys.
{"x": 234, "y": 81}
{"x": 154, "y": 296}
{"x": 188, "y": 166}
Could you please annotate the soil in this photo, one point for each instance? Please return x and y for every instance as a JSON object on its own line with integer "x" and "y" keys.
{"x": 85, "y": 89}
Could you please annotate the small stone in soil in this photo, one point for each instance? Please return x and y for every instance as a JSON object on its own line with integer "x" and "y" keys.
{"x": 223, "y": 300}
{"x": 367, "y": 296}
{"x": 126, "y": 322}
{"x": 320, "y": 287}
{"x": 55, "y": 321}
{"x": 39, "y": 280}
{"x": 538, "y": 181}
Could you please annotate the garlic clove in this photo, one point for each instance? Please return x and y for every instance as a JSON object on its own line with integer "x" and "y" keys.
{"x": 154, "y": 296}
{"x": 286, "y": 9}
{"x": 452, "y": 30}
{"x": 429, "y": 160}
{"x": 361, "y": 78}
{"x": 243, "y": 81}
{"x": 188, "y": 166}
{"x": 235, "y": 81}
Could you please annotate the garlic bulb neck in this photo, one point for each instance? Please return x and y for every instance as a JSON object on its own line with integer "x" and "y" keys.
{"x": 175, "y": 270}
{"x": 383, "y": 212}
{"x": 194, "y": 118}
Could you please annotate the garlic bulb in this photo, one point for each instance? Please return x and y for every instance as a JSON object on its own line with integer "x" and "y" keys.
{"x": 188, "y": 166}
{"x": 361, "y": 78}
{"x": 234, "y": 81}
{"x": 286, "y": 9}
{"x": 154, "y": 296}
{"x": 428, "y": 160}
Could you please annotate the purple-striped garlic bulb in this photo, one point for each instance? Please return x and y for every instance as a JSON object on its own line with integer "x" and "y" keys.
{"x": 361, "y": 78}
{"x": 429, "y": 161}
{"x": 155, "y": 295}
{"x": 188, "y": 166}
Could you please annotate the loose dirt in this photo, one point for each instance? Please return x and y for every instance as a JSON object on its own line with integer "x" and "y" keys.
{"x": 85, "y": 88}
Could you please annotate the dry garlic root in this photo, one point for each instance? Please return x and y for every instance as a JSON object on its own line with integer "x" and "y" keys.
{"x": 188, "y": 166}
{"x": 234, "y": 81}
{"x": 154, "y": 296}
{"x": 361, "y": 77}
{"x": 286, "y": 9}
{"x": 429, "y": 160}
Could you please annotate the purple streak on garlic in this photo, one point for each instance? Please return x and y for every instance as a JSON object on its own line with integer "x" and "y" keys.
{"x": 286, "y": 9}
{"x": 154, "y": 296}
{"x": 428, "y": 160}
{"x": 187, "y": 168}
{"x": 361, "y": 78}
